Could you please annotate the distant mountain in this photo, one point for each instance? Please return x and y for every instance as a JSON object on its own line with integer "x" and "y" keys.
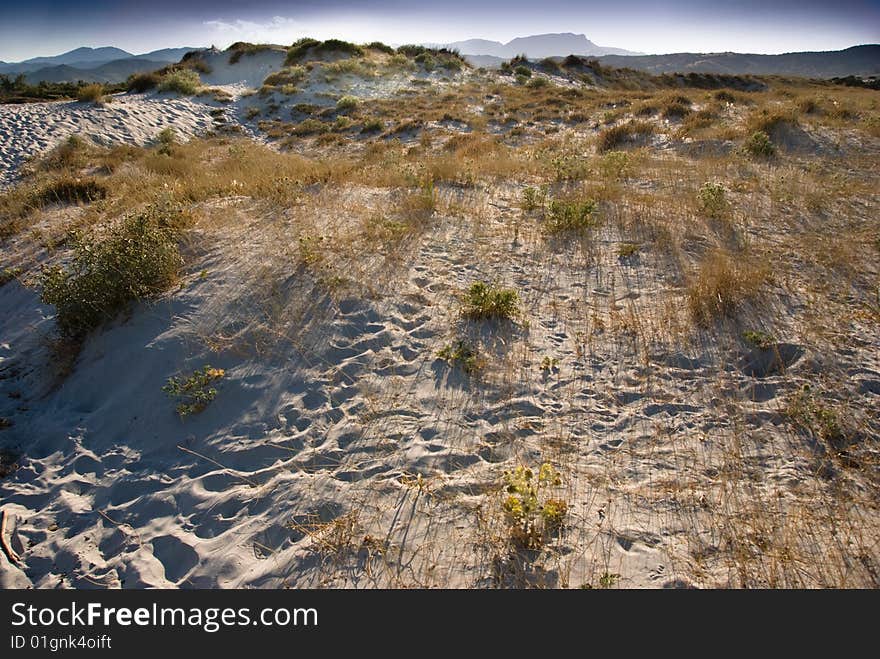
{"x": 92, "y": 65}
{"x": 96, "y": 56}
{"x": 857, "y": 61}
{"x": 535, "y": 47}
{"x": 109, "y": 72}
{"x": 166, "y": 54}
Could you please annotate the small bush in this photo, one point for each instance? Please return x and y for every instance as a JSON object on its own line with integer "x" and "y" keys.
{"x": 93, "y": 93}
{"x": 304, "y": 46}
{"x": 615, "y": 165}
{"x": 70, "y": 190}
{"x": 570, "y": 216}
{"x": 617, "y": 136}
{"x": 808, "y": 412}
{"x": 136, "y": 259}
{"x": 346, "y": 103}
{"x": 759, "y": 339}
{"x": 550, "y": 65}
{"x": 373, "y": 126}
{"x": 311, "y": 127}
{"x": 537, "y": 82}
{"x": 532, "y": 514}
{"x": 241, "y": 48}
{"x": 142, "y": 82}
{"x": 381, "y": 47}
{"x": 463, "y": 355}
{"x": 759, "y": 145}
{"x": 713, "y": 199}
{"x": 724, "y": 96}
{"x": 533, "y": 198}
{"x": 290, "y": 75}
{"x": 675, "y": 110}
{"x": 181, "y": 81}
{"x": 195, "y": 391}
{"x": 721, "y": 284}
{"x": 523, "y": 70}
{"x": 486, "y": 301}
{"x": 425, "y": 60}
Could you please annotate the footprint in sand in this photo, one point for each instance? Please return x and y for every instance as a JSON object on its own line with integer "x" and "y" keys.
{"x": 177, "y": 557}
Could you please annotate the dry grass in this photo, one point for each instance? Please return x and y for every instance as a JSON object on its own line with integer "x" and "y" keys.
{"x": 628, "y": 134}
{"x": 722, "y": 283}
{"x": 93, "y": 93}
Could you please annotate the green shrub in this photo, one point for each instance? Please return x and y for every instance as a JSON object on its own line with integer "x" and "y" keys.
{"x": 533, "y": 198}
{"x": 240, "y": 48}
{"x": 194, "y": 392}
{"x": 758, "y": 144}
{"x": 537, "y": 83}
{"x": 290, "y": 75}
{"x": 486, "y": 301}
{"x": 373, "y": 126}
{"x": 381, "y": 47}
{"x": 425, "y": 60}
{"x": 302, "y": 47}
{"x": 523, "y": 70}
{"x": 615, "y": 165}
{"x": 550, "y": 65}
{"x": 570, "y": 216}
{"x": 182, "y": 81}
{"x": 759, "y": 339}
{"x": 532, "y": 514}
{"x": 346, "y": 103}
{"x": 461, "y": 354}
{"x": 411, "y": 50}
{"x": 138, "y": 258}
{"x": 311, "y": 127}
{"x": 713, "y": 199}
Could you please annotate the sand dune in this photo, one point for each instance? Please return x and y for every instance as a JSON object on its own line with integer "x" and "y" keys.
{"x": 342, "y": 450}
{"x": 34, "y": 128}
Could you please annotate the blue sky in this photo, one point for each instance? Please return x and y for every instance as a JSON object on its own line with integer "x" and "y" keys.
{"x": 30, "y": 28}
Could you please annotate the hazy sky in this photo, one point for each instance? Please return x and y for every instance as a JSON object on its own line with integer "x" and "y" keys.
{"x": 30, "y": 28}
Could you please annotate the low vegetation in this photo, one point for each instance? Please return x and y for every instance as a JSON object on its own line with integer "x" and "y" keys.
{"x": 534, "y": 516}
{"x": 463, "y": 355}
{"x": 182, "y": 81}
{"x": 722, "y": 283}
{"x": 17, "y": 90}
{"x": 484, "y": 301}
{"x": 631, "y": 133}
{"x": 194, "y": 392}
{"x": 138, "y": 258}
{"x": 569, "y": 216}
{"x": 93, "y": 93}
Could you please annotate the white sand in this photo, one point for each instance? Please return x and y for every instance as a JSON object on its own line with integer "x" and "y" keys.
{"x": 34, "y": 128}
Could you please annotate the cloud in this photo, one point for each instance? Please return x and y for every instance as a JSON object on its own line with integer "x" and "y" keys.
{"x": 278, "y": 29}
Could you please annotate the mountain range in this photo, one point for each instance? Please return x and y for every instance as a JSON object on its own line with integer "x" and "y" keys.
{"x": 106, "y": 64}
{"x": 856, "y": 61}
{"x": 536, "y": 46}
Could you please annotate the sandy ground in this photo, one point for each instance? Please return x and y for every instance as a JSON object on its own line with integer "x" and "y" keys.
{"x": 34, "y": 128}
